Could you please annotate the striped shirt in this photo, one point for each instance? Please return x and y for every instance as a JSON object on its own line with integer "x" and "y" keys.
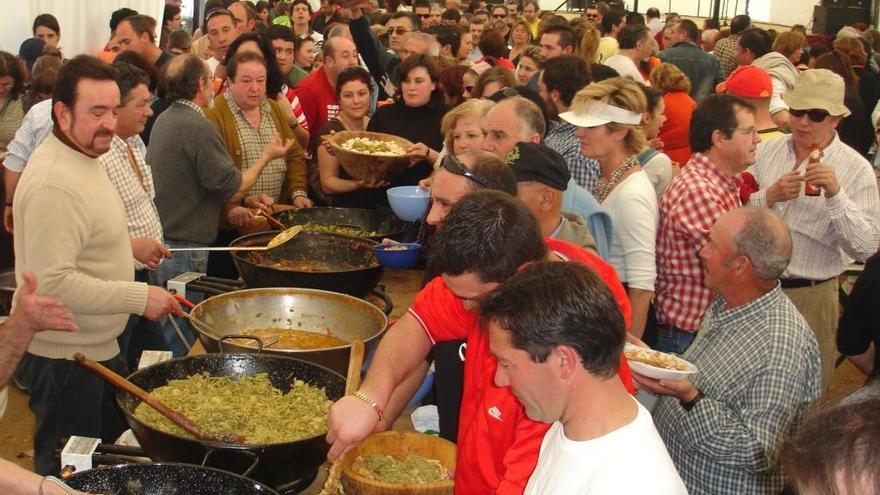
{"x": 11, "y": 113}
{"x": 253, "y": 141}
{"x": 35, "y": 126}
{"x": 759, "y": 370}
{"x": 133, "y": 179}
{"x": 688, "y": 209}
{"x": 827, "y": 233}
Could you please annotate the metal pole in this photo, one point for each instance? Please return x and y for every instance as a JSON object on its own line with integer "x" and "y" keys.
{"x": 717, "y": 10}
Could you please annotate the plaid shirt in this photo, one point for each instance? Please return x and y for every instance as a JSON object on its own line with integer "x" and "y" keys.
{"x": 758, "y": 371}
{"x": 725, "y": 50}
{"x": 688, "y": 208}
{"x": 135, "y": 187}
{"x": 253, "y": 142}
{"x": 585, "y": 171}
{"x": 192, "y": 105}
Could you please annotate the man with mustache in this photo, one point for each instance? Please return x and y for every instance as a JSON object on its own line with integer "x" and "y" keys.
{"x": 72, "y": 235}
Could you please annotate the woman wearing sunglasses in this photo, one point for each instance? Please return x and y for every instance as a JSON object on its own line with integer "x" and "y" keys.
{"x": 608, "y": 116}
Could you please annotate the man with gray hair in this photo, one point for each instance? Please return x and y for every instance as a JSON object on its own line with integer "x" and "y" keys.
{"x": 758, "y": 362}
{"x": 517, "y": 119}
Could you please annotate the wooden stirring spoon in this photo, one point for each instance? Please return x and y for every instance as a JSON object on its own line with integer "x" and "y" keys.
{"x": 175, "y": 417}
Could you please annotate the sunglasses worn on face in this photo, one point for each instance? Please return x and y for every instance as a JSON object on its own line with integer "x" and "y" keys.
{"x": 815, "y": 115}
{"x": 454, "y": 165}
{"x": 400, "y": 30}
{"x": 499, "y": 16}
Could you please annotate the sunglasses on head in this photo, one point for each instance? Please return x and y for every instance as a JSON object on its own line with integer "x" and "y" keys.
{"x": 454, "y": 165}
{"x": 400, "y": 30}
{"x": 815, "y": 115}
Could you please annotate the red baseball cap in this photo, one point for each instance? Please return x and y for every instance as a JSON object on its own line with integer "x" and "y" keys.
{"x": 747, "y": 81}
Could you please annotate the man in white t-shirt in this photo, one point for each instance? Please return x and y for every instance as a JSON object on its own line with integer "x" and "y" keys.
{"x": 557, "y": 334}
{"x": 636, "y": 45}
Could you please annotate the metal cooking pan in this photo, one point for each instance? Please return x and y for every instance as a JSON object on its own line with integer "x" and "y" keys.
{"x": 343, "y": 316}
{"x": 279, "y": 465}
{"x": 164, "y": 479}
{"x": 369, "y": 224}
{"x": 315, "y": 260}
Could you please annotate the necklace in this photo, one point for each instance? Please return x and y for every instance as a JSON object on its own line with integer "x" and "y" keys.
{"x": 605, "y": 186}
{"x": 349, "y": 126}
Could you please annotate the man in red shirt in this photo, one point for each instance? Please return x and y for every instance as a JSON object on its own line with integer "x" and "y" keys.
{"x": 486, "y": 237}
{"x": 316, "y": 93}
{"x": 724, "y": 140}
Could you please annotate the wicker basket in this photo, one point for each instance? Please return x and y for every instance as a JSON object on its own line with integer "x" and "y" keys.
{"x": 399, "y": 444}
{"x": 369, "y": 167}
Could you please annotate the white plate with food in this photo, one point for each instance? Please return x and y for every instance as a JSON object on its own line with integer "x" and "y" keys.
{"x": 656, "y": 364}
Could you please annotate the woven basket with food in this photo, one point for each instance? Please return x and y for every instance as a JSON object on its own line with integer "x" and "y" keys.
{"x": 370, "y": 155}
{"x": 396, "y": 462}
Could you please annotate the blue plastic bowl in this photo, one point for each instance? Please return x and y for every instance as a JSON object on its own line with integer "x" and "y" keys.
{"x": 392, "y": 256}
{"x": 408, "y": 202}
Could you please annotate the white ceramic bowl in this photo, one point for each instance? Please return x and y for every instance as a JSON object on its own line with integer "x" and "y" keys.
{"x": 657, "y": 372}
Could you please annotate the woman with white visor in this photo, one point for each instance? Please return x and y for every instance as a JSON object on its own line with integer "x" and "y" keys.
{"x": 609, "y": 116}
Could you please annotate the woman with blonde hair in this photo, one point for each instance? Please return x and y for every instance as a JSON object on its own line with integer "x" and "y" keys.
{"x": 520, "y": 39}
{"x": 461, "y": 126}
{"x": 675, "y": 132}
{"x": 608, "y": 116}
{"x": 790, "y": 44}
{"x": 589, "y": 42}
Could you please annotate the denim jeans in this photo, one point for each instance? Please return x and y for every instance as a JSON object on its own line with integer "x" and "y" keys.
{"x": 68, "y": 399}
{"x": 675, "y": 340}
{"x": 182, "y": 262}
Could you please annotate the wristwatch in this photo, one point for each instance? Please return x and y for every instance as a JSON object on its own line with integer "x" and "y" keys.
{"x": 690, "y": 404}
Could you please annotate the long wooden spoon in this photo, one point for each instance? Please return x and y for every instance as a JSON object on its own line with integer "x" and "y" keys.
{"x": 175, "y": 417}
{"x": 282, "y": 237}
{"x": 352, "y": 382}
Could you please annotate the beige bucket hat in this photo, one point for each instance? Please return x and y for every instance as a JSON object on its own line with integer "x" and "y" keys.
{"x": 818, "y": 89}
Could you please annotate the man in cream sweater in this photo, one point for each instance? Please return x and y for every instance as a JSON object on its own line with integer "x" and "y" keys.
{"x": 71, "y": 233}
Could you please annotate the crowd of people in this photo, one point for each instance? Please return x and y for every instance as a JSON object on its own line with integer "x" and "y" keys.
{"x": 597, "y": 179}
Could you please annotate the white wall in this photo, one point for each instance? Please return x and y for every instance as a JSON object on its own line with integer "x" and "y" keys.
{"x": 85, "y": 24}
{"x": 786, "y": 12}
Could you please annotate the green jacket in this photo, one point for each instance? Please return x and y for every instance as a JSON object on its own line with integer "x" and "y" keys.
{"x": 297, "y": 172}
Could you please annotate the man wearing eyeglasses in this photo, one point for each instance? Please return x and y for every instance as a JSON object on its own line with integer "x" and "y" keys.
{"x": 593, "y": 14}
{"x": 501, "y": 20}
{"x": 400, "y": 24}
{"x": 832, "y": 229}
{"x": 724, "y": 139}
{"x": 422, "y": 9}
{"x": 383, "y": 63}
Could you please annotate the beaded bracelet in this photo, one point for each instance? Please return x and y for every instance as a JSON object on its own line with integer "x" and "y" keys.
{"x": 371, "y": 402}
